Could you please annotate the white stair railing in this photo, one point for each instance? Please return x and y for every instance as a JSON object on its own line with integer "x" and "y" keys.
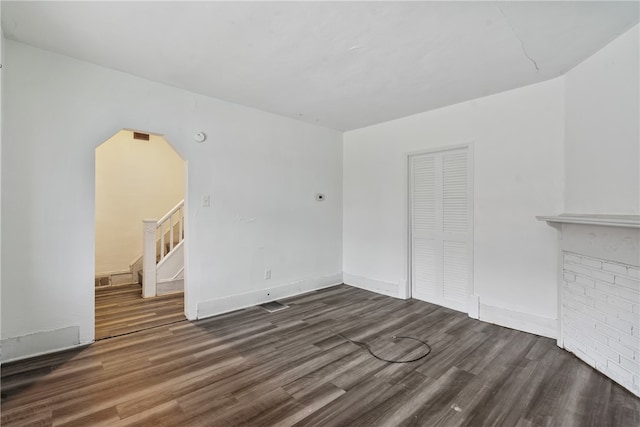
{"x": 154, "y": 231}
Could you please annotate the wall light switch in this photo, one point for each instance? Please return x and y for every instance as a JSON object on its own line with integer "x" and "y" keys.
{"x": 206, "y": 201}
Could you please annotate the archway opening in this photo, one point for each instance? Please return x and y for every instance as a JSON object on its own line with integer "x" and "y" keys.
{"x": 138, "y": 177}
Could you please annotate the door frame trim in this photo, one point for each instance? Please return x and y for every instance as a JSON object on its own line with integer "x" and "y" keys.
{"x": 473, "y": 304}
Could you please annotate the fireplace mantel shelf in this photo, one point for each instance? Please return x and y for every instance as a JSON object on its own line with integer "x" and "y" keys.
{"x": 629, "y": 221}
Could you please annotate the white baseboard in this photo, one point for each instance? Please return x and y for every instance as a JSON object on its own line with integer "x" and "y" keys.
{"x": 236, "y": 302}
{"x": 474, "y": 306}
{"x": 384, "y": 288}
{"x": 40, "y": 343}
{"x": 531, "y": 323}
{"x": 118, "y": 278}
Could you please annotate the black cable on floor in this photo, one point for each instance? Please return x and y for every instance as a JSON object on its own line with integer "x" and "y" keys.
{"x": 366, "y": 346}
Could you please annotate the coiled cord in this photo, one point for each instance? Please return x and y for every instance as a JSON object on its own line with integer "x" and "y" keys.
{"x": 366, "y": 346}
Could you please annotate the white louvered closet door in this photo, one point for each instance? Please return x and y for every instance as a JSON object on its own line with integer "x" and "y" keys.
{"x": 441, "y": 237}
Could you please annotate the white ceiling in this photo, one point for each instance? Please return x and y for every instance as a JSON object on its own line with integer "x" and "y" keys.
{"x": 343, "y": 65}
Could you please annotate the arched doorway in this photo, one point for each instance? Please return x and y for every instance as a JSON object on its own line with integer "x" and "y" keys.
{"x": 139, "y": 176}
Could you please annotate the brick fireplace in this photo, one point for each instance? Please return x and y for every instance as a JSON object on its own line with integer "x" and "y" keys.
{"x": 599, "y": 292}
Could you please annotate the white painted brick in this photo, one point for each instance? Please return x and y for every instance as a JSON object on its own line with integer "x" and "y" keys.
{"x": 595, "y": 314}
{"x": 577, "y": 288}
{"x": 580, "y": 321}
{"x": 581, "y": 298}
{"x": 570, "y": 258}
{"x": 628, "y": 294}
{"x": 586, "y": 338}
{"x": 577, "y": 269}
{"x": 615, "y": 268}
{"x": 629, "y": 317}
{"x": 620, "y": 373}
{"x": 620, "y": 325}
{"x": 574, "y": 303}
{"x": 601, "y": 316}
{"x": 629, "y": 283}
{"x": 608, "y": 353}
{"x": 589, "y": 272}
{"x": 599, "y": 359}
{"x": 574, "y": 336}
{"x": 579, "y": 334}
{"x": 604, "y": 307}
{"x": 607, "y": 330}
{"x": 630, "y": 341}
{"x": 570, "y": 334}
{"x": 605, "y": 287}
{"x": 590, "y": 262}
{"x": 605, "y": 277}
{"x": 575, "y": 313}
{"x": 620, "y": 303}
{"x": 572, "y": 344}
{"x": 613, "y": 290}
{"x": 630, "y": 365}
{"x": 621, "y": 349}
{"x": 583, "y": 312}
{"x": 583, "y": 356}
{"x": 573, "y": 317}
{"x": 594, "y": 293}
{"x": 593, "y": 337}
{"x": 585, "y": 281}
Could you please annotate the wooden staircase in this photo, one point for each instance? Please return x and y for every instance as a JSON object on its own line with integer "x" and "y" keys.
{"x": 163, "y": 248}
{"x": 163, "y": 254}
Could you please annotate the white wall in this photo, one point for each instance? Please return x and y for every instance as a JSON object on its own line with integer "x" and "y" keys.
{"x": 261, "y": 171}
{"x": 1, "y": 121}
{"x": 602, "y": 142}
{"x": 135, "y": 179}
{"x": 518, "y": 159}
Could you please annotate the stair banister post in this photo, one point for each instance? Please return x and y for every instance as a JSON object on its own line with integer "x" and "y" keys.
{"x": 181, "y": 219}
{"x": 171, "y": 233}
{"x": 149, "y": 227}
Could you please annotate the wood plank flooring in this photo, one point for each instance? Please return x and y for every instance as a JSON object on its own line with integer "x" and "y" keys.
{"x": 290, "y": 368}
{"x": 122, "y": 310}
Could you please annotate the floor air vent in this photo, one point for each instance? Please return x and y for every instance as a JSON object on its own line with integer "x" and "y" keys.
{"x": 273, "y": 306}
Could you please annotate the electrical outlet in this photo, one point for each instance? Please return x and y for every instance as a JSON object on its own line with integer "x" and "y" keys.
{"x": 267, "y": 274}
{"x": 206, "y": 201}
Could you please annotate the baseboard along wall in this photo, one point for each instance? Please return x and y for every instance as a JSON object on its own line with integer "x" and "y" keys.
{"x": 249, "y": 299}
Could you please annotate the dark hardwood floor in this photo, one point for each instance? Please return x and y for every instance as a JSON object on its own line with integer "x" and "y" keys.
{"x": 122, "y": 310}
{"x": 253, "y": 368}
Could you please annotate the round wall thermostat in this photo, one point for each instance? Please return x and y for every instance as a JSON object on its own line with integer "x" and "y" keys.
{"x": 199, "y": 136}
